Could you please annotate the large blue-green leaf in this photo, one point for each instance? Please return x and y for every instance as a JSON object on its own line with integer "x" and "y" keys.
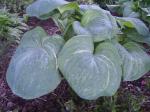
{"x": 115, "y": 9}
{"x": 89, "y": 7}
{"x": 33, "y": 70}
{"x": 128, "y": 10}
{"x": 136, "y": 62}
{"x": 90, "y": 73}
{"x": 134, "y": 36}
{"x": 135, "y": 23}
{"x": 69, "y": 7}
{"x": 43, "y": 7}
{"x": 100, "y": 24}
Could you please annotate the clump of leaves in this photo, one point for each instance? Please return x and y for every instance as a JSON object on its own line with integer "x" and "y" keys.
{"x": 11, "y": 28}
{"x": 15, "y": 5}
{"x": 94, "y": 52}
{"x": 133, "y": 8}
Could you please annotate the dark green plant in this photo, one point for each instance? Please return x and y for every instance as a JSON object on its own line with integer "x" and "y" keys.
{"x": 15, "y": 5}
{"x": 133, "y": 8}
{"x": 11, "y": 28}
{"x": 107, "y": 104}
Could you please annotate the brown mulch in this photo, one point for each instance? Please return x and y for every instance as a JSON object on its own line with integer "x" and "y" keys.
{"x": 48, "y": 25}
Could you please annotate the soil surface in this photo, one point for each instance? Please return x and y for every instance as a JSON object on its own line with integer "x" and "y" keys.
{"x": 63, "y": 99}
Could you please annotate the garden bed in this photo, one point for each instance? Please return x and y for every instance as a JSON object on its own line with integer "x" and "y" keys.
{"x": 63, "y": 99}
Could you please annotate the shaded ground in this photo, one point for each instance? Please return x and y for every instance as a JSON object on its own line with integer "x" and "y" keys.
{"x": 130, "y": 95}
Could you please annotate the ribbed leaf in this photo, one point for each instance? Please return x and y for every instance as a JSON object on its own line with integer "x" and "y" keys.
{"x": 68, "y": 7}
{"x": 141, "y": 28}
{"x": 115, "y": 9}
{"x": 91, "y": 75}
{"x": 98, "y": 23}
{"x": 133, "y": 35}
{"x": 145, "y": 14}
{"x": 135, "y": 61}
{"x": 89, "y": 7}
{"x": 128, "y": 10}
{"x": 43, "y": 7}
{"x": 33, "y": 69}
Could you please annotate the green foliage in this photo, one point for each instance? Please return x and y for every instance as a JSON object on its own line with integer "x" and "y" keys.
{"x": 135, "y": 61}
{"x": 100, "y": 24}
{"x": 40, "y": 8}
{"x": 94, "y": 73}
{"x": 11, "y": 26}
{"x": 133, "y": 8}
{"x": 15, "y": 5}
{"x": 39, "y": 51}
{"x": 93, "y": 56}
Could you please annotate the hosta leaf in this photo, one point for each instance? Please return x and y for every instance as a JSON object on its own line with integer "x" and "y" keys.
{"x": 43, "y": 7}
{"x": 99, "y": 24}
{"x": 128, "y": 10}
{"x": 141, "y": 28}
{"x": 89, "y": 7}
{"x": 133, "y": 35}
{"x": 136, "y": 62}
{"x": 146, "y": 10}
{"x": 33, "y": 70}
{"x": 90, "y": 73}
{"x": 68, "y": 7}
{"x": 115, "y": 9}
{"x": 122, "y": 1}
{"x": 145, "y": 14}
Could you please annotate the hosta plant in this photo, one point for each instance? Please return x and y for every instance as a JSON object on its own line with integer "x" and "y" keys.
{"x": 95, "y": 54}
{"x": 132, "y": 8}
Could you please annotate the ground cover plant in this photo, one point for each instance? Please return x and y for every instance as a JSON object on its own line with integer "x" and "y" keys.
{"x": 95, "y": 51}
{"x": 11, "y": 29}
{"x": 15, "y": 5}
